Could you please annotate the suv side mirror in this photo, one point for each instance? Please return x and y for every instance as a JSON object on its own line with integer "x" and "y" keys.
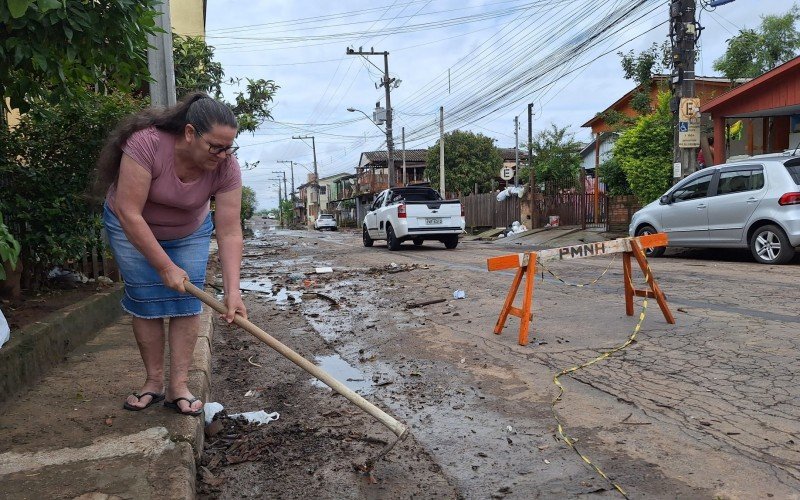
{"x": 666, "y": 199}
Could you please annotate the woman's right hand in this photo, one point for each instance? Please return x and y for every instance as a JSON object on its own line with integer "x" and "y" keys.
{"x": 173, "y": 277}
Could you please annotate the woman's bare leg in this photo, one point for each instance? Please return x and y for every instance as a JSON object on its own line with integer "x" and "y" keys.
{"x": 149, "y": 335}
{"x": 182, "y": 339}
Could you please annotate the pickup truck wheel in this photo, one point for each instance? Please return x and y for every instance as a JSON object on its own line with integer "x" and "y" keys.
{"x": 367, "y": 240}
{"x": 450, "y": 242}
{"x": 417, "y": 242}
{"x": 392, "y": 243}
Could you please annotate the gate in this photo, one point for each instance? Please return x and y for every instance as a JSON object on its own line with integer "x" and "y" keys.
{"x": 483, "y": 210}
{"x": 572, "y": 205}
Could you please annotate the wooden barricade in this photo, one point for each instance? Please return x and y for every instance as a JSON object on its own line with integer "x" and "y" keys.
{"x": 525, "y": 263}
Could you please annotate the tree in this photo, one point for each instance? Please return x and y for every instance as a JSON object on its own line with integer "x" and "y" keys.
{"x": 196, "y": 69}
{"x": 755, "y": 51}
{"x": 469, "y": 159}
{"x": 66, "y": 45}
{"x": 287, "y": 211}
{"x": 248, "y": 203}
{"x": 644, "y": 152}
{"x": 556, "y": 156}
{"x": 614, "y": 177}
{"x": 640, "y": 68}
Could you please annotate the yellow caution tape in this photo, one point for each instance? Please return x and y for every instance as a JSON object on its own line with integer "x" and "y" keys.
{"x": 570, "y": 442}
{"x": 579, "y": 285}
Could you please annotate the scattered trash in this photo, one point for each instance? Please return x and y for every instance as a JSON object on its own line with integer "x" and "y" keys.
{"x": 309, "y": 283}
{"x": 514, "y": 228}
{"x": 459, "y": 294}
{"x": 413, "y": 305}
{"x": 554, "y": 221}
{"x": 547, "y": 461}
{"x": 254, "y": 417}
{"x": 257, "y": 417}
{"x": 252, "y": 393}
{"x": 58, "y": 274}
{"x": 509, "y": 428}
{"x": 5, "y": 332}
{"x": 518, "y": 191}
{"x": 250, "y": 360}
{"x": 105, "y": 280}
{"x": 296, "y": 277}
{"x": 211, "y": 409}
{"x": 323, "y": 270}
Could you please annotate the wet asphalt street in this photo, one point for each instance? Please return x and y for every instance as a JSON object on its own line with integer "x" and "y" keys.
{"x": 705, "y": 408}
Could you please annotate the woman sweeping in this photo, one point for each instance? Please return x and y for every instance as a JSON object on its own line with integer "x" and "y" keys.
{"x": 162, "y": 168}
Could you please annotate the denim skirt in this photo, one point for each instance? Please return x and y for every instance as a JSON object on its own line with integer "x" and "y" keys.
{"x": 145, "y": 294}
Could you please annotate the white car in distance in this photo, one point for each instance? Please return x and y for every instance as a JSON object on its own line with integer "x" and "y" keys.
{"x": 325, "y": 221}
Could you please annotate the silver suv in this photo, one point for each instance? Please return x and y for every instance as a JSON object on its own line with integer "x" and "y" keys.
{"x": 753, "y": 202}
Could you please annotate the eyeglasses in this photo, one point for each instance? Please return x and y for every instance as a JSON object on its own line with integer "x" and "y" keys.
{"x": 215, "y": 150}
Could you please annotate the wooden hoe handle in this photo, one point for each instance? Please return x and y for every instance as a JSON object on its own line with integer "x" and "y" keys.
{"x": 396, "y": 427}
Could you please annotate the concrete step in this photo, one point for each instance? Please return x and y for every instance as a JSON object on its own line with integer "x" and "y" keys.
{"x": 69, "y": 436}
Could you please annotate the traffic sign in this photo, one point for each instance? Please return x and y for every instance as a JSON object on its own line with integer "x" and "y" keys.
{"x": 507, "y": 173}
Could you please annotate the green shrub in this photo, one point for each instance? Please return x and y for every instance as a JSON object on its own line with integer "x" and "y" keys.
{"x": 9, "y": 249}
{"x": 644, "y": 152}
{"x": 49, "y": 158}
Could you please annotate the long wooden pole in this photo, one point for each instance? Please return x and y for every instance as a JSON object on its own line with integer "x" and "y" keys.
{"x": 396, "y": 427}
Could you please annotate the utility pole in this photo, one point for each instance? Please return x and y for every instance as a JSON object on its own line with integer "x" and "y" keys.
{"x": 291, "y": 166}
{"x": 285, "y": 195}
{"x": 280, "y": 212}
{"x": 316, "y": 176}
{"x": 159, "y": 60}
{"x": 683, "y": 35}
{"x": 516, "y": 151}
{"x": 530, "y": 160}
{"x": 405, "y": 177}
{"x": 386, "y": 83}
{"x": 442, "y": 190}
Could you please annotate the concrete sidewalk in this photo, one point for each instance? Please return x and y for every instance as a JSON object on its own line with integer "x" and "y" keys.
{"x": 68, "y": 436}
{"x": 554, "y": 237}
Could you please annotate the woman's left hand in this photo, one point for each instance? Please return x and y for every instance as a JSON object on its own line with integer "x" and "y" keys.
{"x": 235, "y": 305}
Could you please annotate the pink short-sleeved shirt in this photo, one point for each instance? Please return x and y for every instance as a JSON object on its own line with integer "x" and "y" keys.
{"x": 175, "y": 209}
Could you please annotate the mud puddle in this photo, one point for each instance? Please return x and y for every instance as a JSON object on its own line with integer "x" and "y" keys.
{"x": 341, "y": 370}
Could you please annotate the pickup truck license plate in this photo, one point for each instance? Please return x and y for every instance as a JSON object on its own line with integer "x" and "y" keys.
{"x": 434, "y": 220}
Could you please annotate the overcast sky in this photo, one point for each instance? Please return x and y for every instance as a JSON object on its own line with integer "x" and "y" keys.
{"x": 483, "y": 60}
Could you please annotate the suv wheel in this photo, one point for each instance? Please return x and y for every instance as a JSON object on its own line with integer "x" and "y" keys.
{"x": 769, "y": 245}
{"x": 392, "y": 243}
{"x": 366, "y": 238}
{"x": 651, "y": 252}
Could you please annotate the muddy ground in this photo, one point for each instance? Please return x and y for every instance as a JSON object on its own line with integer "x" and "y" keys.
{"x": 705, "y": 408}
{"x": 318, "y": 446}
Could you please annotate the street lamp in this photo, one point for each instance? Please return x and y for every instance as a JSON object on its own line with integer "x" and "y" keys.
{"x": 389, "y": 152}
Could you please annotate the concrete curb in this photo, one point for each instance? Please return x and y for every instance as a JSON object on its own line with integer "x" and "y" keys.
{"x": 191, "y": 430}
{"x": 35, "y": 349}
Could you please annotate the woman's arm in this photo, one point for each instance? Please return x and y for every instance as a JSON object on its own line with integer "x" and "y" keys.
{"x": 133, "y": 188}
{"x": 229, "y": 239}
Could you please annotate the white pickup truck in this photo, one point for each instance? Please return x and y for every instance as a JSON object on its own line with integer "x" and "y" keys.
{"x": 413, "y": 213}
